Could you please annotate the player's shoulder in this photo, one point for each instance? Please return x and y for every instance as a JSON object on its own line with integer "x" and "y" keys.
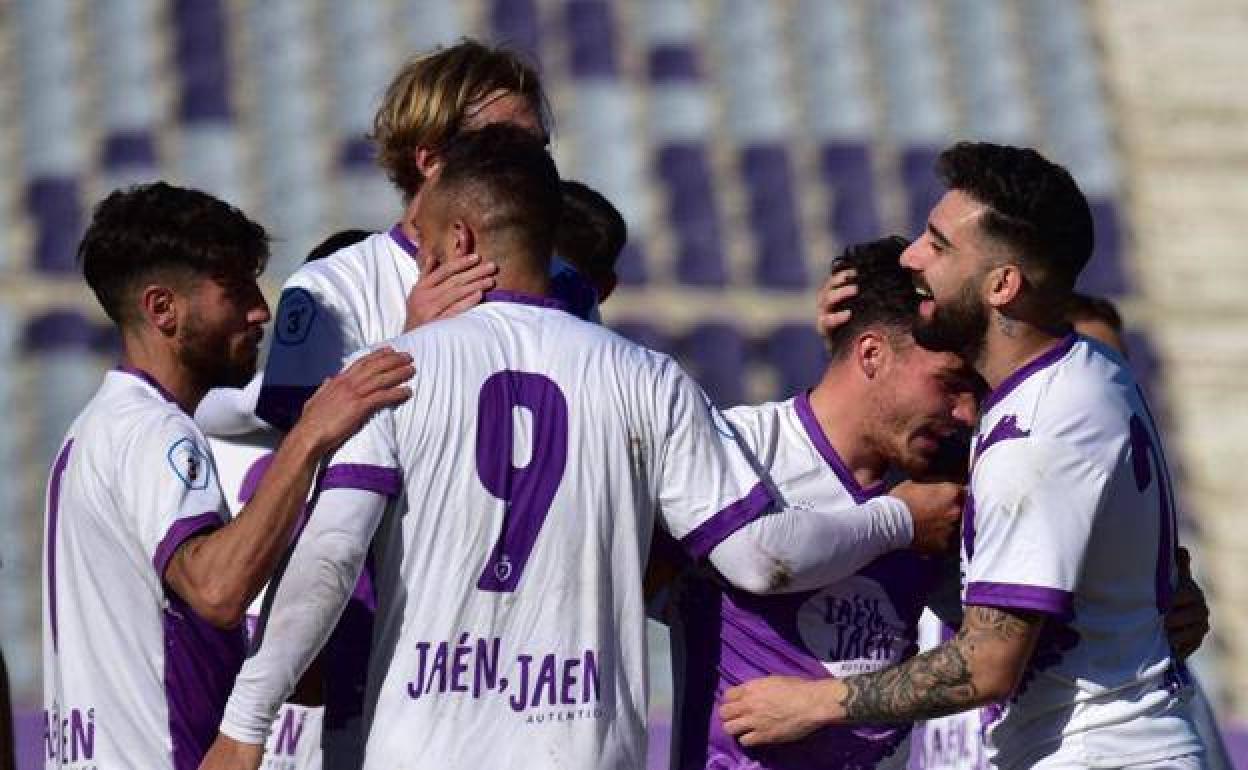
{"x": 130, "y": 413}
{"x": 344, "y": 270}
{"x": 759, "y": 419}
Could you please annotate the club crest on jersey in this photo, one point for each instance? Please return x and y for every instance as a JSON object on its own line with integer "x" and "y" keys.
{"x": 190, "y": 464}
{"x": 294, "y": 316}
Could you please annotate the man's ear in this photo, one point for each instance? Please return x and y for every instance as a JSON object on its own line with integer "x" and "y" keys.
{"x": 871, "y": 352}
{"x": 428, "y": 162}
{"x": 463, "y": 238}
{"x": 1003, "y": 284}
{"x": 158, "y": 305}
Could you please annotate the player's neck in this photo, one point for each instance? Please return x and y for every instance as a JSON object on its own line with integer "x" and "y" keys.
{"x": 162, "y": 366}
{"x": 844, "y": 429}
{"x": 1009, "y": 345}
{"x": 520, "y": 275}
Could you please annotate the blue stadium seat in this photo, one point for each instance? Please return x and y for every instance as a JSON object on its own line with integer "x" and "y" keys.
{"x": 773, "y": 216}
{"x": 717, "y": 355}
{"x": 923, "y": 188}
{"x": 60, "y": 342}
{"x": 55, "y": 206}
{"x": 853, "y": 215}
{"x": 1105, "y": 274}
{"x": 591, "y": 38}
{"x": 516, "y": 23}
{"x": 797, "y": 353}
{"x": 684, "y": 168}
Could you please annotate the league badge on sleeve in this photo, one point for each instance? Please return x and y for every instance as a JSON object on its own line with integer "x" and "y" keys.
{"x": 190, "y": 464}
{"x": 294, "y": 316}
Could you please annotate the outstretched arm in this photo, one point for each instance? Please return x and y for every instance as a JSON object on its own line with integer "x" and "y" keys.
{"x": 982, "y": 664}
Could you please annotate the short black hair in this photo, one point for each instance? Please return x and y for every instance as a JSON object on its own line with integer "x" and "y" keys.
{"x": 157, "y": 228}
{"x": 885, "y": 297}
{"x": 506, "y": 175}
{"x": 335, "y": 243}
{"x": 591, "y": 232}
{"x": 1085, "y": 307}
{"x": 1034, "y": 206}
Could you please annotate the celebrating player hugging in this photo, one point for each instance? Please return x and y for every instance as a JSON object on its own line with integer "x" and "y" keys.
{"x": 455, "y": 482}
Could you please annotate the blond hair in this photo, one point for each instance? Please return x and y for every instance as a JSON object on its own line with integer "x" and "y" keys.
{"x": 425, "y": 104}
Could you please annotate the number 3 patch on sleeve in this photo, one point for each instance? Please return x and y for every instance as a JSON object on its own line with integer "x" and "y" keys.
{"x": 190, "y": 464}
{"x": 295, "y": 314}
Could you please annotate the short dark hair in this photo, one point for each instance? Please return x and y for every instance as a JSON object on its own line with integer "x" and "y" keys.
{"x": 157, "y": 228}
{"x": 506, "y": 175}
{"x": 591, "y": 232}
{"x": 1085, "y": 307}
{"x": 885, "y": 297}
{"x": 1034, "y": 207}
{"x": 335, "y": 243}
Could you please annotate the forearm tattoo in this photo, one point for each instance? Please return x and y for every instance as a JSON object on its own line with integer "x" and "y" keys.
{"x": 936, "y": 683}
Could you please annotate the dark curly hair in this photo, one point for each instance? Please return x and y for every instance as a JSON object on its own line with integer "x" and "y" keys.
{"x": 158, "y": 229}
{"x": 505, "y": 175}
{"x": 885, "y": 297}
{"x": 591, "y": 233}
{"x": 1034, "y": 207}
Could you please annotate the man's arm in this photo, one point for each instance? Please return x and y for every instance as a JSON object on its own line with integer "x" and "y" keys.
{"x": 982, "y": 664}
{"x": 220, "y": 573}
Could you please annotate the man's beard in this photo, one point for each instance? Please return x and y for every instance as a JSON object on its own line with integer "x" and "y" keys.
{"x": 210, "y": 359}
{"x": 958, "y": 327}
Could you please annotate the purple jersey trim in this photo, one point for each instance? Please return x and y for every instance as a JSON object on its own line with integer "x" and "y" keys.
{"x": 281, "y": 405}
{"x": 1020, "y": 375}
{"x": 150, "y": 380}
{"x": 369, "y": 478}
{"x": 54, "y": 502}
{"x": 811, "y": 423}
{"x": 500, "y": 295}
{"x": 405, "y": 243}
{"x": 253, "y": 477}
{"x": 710, "y": 533}
{"x": 178, "y": 533}
{"x": 1051, "y": 601}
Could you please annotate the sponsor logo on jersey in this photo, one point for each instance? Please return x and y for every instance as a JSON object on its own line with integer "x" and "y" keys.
{"x": 190, "y": 464}
{"x": 295, "y": 314}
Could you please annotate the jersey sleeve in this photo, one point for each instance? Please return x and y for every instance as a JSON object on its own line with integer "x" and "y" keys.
{"x": 312, "y": 336}
{"x": 1026, "y": 531}
{"x": 172, "y": 488}
{"x": 368, "y": 461}
{"x": 708, "y": 489}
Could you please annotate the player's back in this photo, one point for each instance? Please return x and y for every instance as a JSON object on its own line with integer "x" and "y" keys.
{"x": 1073, "y": 516}
{"x": 537, "y": 450}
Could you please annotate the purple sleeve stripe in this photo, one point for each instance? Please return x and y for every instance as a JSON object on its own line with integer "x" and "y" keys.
{"x": 370, "y": 478}
{"x": 710, "y": 533}
{"x": 178, "y": 533}
{"x": 281, "y": 405}
{"x": 1052, "y": 601}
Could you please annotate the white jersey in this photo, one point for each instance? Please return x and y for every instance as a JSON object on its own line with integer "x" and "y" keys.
{"x": 860, "y": 624}
{"x": 295, "y": 742}
{"x": 355, "y": 298}
{"x": 536, "y": 454}
{"x": 1071, "y": 515}
{"x": 954, "y": 742}
{"x": 132, "y": 676}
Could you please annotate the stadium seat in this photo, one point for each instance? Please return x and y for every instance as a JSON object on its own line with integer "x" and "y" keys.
{"x": 55, "y": 207}
{"x": 853, "y": 213}
{"x": 60, "y": 341}
{"x": 797, "y": 354}
{"x": 516, "y": 23}
{"x": 923, "y": 188}
{"x": 717, "y": 355}
{"x": 591, "y": 39}
{"x": 684, "y": 169}
{"x": 774, "y": 217}
{"x": 645, "y": 334}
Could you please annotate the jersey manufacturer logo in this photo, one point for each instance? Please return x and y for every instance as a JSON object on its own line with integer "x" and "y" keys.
{"x": 295, "y": 314}
{"x": 190, "y": 464}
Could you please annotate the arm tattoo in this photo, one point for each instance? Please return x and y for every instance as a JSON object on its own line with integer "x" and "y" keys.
{"x": 938, "y": 682}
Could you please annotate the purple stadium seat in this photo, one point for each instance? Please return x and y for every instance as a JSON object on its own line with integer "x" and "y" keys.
{"x": 55, "y": 207}
{"x": 1105, "y": 274}
{"x": 674, "y": 63}
{"x": 630, "y": 268}
{"x": 106, "y": 340}
{"x": 201, "y": 55}
{"x": 356, "y": 153}
{"x": 591, "y": 37}
{"x": 645, "y": 334}
{"x": 717, "y": 356}
{"x": 923, "y": 188}
{"x": 685, "y": 171}
{"x": 773, "y": 216}
{"x": 129, "y": 149}
{"x": 63, "y": 329}
{"x": 798, "y": 355}
{"x": 515, "y": 23}
{"x": 854, "y": 214}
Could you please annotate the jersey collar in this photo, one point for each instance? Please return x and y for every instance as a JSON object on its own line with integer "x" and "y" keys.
{"x": 150, "y": 380}
{"x": 405, "y": 243}
{"x": 1020, "y": 375}
{"x": 811, "y": 423}
{"x": 501, "y": 295}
